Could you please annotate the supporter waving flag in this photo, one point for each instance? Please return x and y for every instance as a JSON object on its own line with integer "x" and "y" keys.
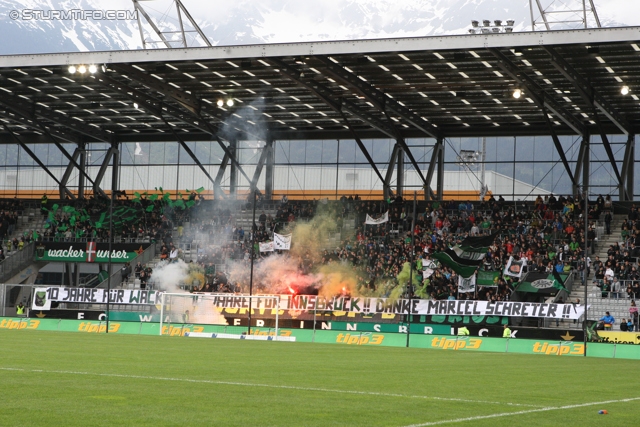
{"x": 467, "y": 256}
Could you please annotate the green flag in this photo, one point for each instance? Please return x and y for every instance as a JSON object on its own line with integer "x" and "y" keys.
{"x": 488, "y": 278}
{"x": 190, "y": 203}
{"x": 36, "y": 236}
{"x": 149, "y": 208}
{"x": 153, "y": 197}
{"x": 541, "y": 283}
{"x": 200, "y": 190}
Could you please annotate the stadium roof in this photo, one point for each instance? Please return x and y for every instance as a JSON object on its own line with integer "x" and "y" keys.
{"x": 450, "y": 86}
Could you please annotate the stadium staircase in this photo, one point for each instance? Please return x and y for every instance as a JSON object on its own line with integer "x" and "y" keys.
{"x": 619, "y": 308}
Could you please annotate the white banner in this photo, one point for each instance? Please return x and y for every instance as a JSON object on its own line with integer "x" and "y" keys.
{"x": 43, "y": 297}
{"x": 466, "y": 285}
{"x": 312, "y": 303}
{"x": 282, "y": 241}
{"x": 515, "y": 268}
{"x": 374, "y": 221}
{"x": 266, "y": 247}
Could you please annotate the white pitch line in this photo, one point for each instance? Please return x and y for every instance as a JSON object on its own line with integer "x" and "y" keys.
{"x": 288, "y": 387}
{"x": 528, "y": 411}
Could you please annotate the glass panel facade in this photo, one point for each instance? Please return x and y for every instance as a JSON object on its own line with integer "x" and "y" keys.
{"x": 515, "y": 167}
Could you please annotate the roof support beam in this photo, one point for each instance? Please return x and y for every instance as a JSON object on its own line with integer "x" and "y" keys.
{"x": 588, "y": 93}
{"x": 556, "y": 142}
{"x": 269, "y": 168}
{"x": 440, "y": 178}
{"x": 187, "y": 100}
{"x": 390, "y": 169}
{"x": 537, "y": 94}
{"x": 161, "y": 108}
{"x": 363, "y": 149}
{"x": 330, "y": 99}
{"x": 31, "y": 154}
{"x": 628, "y": 168}
{"x": 103, "y": 167}
{"x": 383, "y": 103}
{"x": 256, "y": 174}
{"x": 218, "y": 193}
{"x": 31, "y": 117}
{"x": 335, "y": 103}
{"x": 191, "y": 154}
{"x": 31, "y": 111}
{"x": 582, "y": 165}
{"x": 591, "y": 97}
{"x": 141, "y": 10}
{"x": 435, "y": 155}
{"x": 377, "y": 97}
{"x": 69, "y": 170}
{"x": 610, "y": 155}
{"x": 400, "y": 173}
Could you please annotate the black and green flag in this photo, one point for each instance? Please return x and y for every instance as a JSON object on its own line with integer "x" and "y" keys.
{"x": 467, "y": 256}
{"x": 542, "y": 283}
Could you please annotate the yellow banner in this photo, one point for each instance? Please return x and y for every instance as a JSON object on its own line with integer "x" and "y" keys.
{"x": 620, "y": 337}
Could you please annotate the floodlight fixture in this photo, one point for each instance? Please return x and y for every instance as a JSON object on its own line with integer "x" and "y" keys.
{"x": 72, "y": 69}
{"x": 517, "y": 93}
{"x": 624, "y": 90}
{"x": 82, "y": 69}
{"x": 93, "y": 69}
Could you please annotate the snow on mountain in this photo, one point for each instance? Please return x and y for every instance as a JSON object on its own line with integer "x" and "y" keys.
{"x": 265, "y": 21}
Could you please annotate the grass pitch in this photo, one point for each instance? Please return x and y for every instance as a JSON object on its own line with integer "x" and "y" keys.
{"x": 73, "y": 379}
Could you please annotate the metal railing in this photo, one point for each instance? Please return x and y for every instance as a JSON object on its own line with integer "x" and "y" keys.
{"x": 16, "y": 262}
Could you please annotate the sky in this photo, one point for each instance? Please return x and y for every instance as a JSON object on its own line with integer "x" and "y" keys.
{"x": 622, "y": 11}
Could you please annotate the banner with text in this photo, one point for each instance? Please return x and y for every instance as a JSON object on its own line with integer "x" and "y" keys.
{"x": 312, "y": 303}
{"x": 375, "y": 221}
{"x": 43, "y": 297}
{"x": 88, "y": 252}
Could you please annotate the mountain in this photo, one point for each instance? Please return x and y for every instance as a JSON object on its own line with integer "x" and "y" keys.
{"x": 251, "y": 21}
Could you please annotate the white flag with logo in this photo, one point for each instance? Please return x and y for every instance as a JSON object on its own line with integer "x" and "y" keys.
{"x": 282, "y": 241}
{"x": 515, "y": 268}
{"x": 373, "y": 221}
{"x": 266, "y": 247}
{"x": 40, "y": 299}
{"x": 467, "y": 285}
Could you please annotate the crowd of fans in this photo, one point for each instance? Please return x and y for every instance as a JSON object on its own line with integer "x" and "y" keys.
{"x": 550, "y": 234}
